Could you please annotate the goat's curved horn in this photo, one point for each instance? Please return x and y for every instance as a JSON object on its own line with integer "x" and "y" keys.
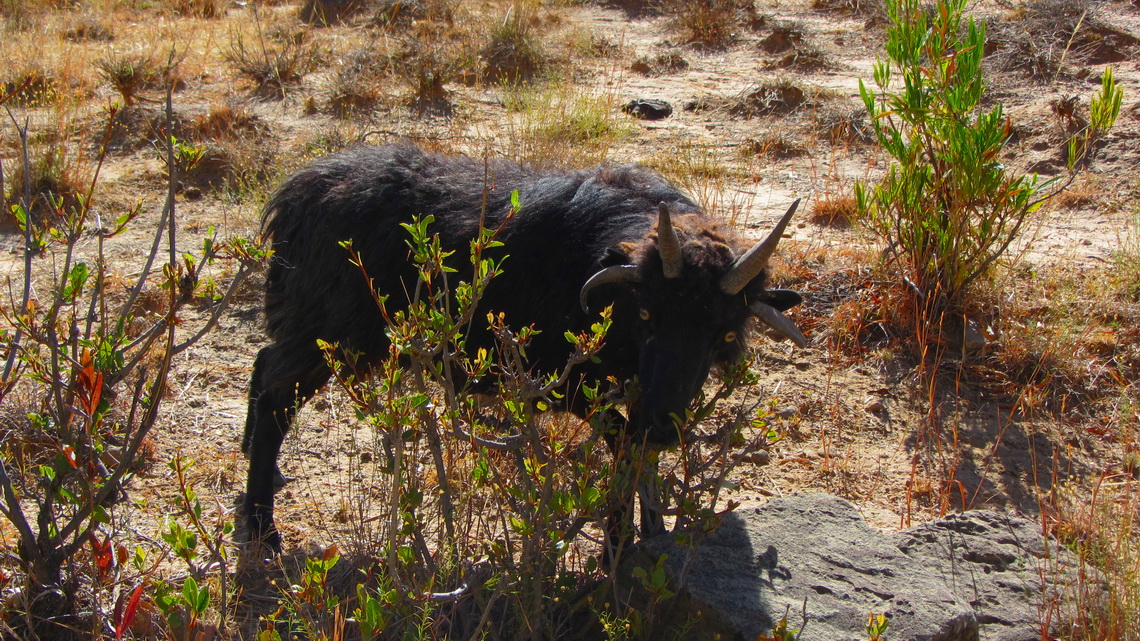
{"x": 775, "y": 319}
{"x": 667, "y": 244}
{"x": 755, "y": 260}
{"x": 616, "y": 274}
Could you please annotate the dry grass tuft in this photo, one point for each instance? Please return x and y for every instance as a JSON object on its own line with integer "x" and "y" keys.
{"x": 837, "y": 210}
{"x": 238, "y": 150}
{"x": 131, "y": 75}
{"x": 559, "y": 125}
{"x": 711, "y": 24}
{"x": 90, "y": 28}
{"x": 1103, "y": 533}
{"x": 874, "y": 9}
{"x": 776, "y": 144}
{"x": 273, "y": 68}
{"x": 1125, "y": 275}
{"x": 229, "y": 120}
{"x": 387, "y": 14}
{"x": 355, "y": 87}
{"x": 786, "y": 35}
{"x": 198, "y": 8}
{"x": 1042, "y": 35}
{"x": 659, "y": 65}
{"x": 843, "y": 128}
{"x": 702, "y": 172}
{"x": 774, "y": 97}
{"x": 514, "y": 52}
{"x": 29, "y": 87}
{"x": 55, "y": 182}
{"x": 805, "y": 58}
{"x": 325, "y": 13}
{"x": 425, "y": 67}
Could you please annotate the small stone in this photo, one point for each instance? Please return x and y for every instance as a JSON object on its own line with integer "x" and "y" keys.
{"x": 366, "y": 457}
{"x": 757, "y": 458}
{"x": 192, "y": 193}
{"x": 788, "y": 412}
{"x": 873, "y": 405}
{"x": 648, "y": 108}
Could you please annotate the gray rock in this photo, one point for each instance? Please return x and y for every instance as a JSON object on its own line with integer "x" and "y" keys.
{"x": 762, "y": 563}
{"x": 966, "y": 577}
{"x": 992, "y": 561}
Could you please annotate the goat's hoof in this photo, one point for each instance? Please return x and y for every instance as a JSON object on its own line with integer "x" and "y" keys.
{"x": 279, "y": 479}
{"x": 266, "y": 544}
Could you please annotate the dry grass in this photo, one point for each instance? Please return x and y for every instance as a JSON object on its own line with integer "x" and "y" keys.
{"x": 515, "y": 52}
{"x": 197, "y": 8}
{"x": 1041, "y": 36}
{"x": 874, "y": 9}
{"x": 711, "y": 24}
{"x": 701, "y": 171}
{"x": 558, "y": 125}
{"x": 274, "y": 67}
{"x": 57, "y": 178}
{"x": 776, "y": 144}
{"x": 330, "y": 12}
{"x": 775, "y": 97}
{"x": 835, "y": 210}
{"x": 131, "y": 75}
{"x": 843, "y": 128}
{"x": 659, "y": 65}
{"x": 355, "y": 88}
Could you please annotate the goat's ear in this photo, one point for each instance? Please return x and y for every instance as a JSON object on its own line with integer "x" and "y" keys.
{"x": 781, "y": 299}
{"x": 616, "y": 256}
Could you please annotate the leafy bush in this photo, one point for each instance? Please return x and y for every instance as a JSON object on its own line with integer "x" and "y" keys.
{"x": 85, "y": 372}
{"x": 947, "y": 207}
{"x": 484, "y": 504}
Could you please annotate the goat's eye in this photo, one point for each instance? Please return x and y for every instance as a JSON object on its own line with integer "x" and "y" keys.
{"x": 644, "y": 314}
{"x": 729, "y": 337}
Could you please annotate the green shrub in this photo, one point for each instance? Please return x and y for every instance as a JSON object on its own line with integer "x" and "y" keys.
{"x": 85, "y": 372}
{"x": 947, "y": 208}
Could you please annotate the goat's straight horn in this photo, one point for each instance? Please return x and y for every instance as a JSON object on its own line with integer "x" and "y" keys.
{"x": 667, "y": 244}
{"x": 755, "y": 260}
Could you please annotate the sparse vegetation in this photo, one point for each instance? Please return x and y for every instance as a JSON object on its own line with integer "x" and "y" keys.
{"x": 355, "y": 87}
{"x": 555, "y": 125}
{"x": 1047, "y": 332}
{"x": 1041, "y": 36}
{"x": 197, "y": 8}
{"x": 661, "y": 64}
{"x": 274, "y": 68}
{"x": 711, "y": 24}
{"x": 773, "y": 97}
{"x": 131, "y": 75}
{"x": 515, "y": 52}
{"x": 89, "y": 393}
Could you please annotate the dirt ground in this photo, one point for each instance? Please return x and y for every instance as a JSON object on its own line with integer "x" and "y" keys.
{"x": 859, "y": 426}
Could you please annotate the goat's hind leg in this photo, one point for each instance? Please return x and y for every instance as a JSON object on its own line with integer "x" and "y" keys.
{"x": 284, "y": 377}
{"x": 256, "y": 387}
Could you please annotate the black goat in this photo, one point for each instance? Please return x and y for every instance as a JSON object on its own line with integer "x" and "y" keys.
{"x": 682, "y": 292}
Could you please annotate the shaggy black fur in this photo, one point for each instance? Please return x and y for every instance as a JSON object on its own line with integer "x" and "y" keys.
{"x": 667, "y": 333}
